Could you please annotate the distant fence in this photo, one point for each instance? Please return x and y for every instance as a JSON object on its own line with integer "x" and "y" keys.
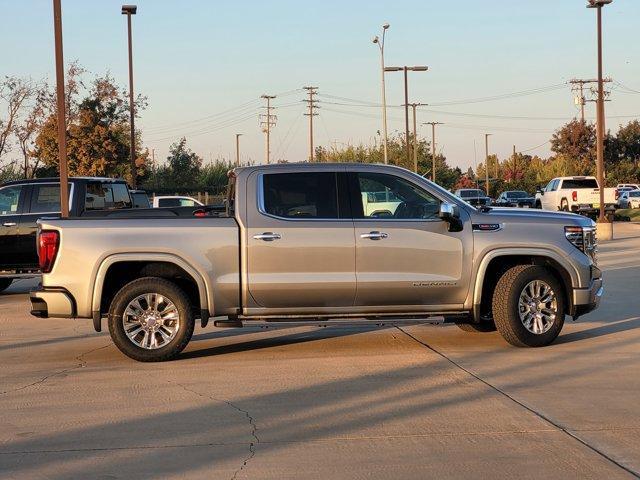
{"x": 206, "y": 197}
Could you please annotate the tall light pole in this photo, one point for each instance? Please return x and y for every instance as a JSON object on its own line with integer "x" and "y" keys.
{"x": 486, "y": 161}
{"x": 238, "y": 135}
{"x": 433, "y": 148}
{"x": 380, "y": 44}
{"x": 129, "y": 10}
{"x": 60, "y": 108}
{"x": 598, "y": 4}
{"x": 406, "y": 69}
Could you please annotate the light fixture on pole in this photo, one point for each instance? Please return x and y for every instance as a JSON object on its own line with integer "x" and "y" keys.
{"x": 60, "y": 110}
{"x": 129, "y": 10}
{"x": 405, "y": 69}
{"x": 380, "y": 43}
{"x": 598, "y": 4}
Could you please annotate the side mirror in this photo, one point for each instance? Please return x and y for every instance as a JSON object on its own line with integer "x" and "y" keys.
{"x": 448, "y": 213}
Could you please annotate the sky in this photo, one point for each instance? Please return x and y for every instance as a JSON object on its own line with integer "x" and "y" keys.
{"x": 204, "y": 65}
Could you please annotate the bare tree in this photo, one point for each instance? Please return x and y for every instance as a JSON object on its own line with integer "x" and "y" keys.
{"x": 14, "y": 92}
{"x": 26, "y": 128}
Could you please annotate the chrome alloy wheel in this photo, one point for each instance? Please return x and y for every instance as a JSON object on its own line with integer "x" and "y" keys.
{"x": 151, "y": 321}
{"x": 537, "y": 307}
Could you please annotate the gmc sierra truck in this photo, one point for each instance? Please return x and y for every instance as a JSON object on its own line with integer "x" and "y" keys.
{"x": 306, "y": 243}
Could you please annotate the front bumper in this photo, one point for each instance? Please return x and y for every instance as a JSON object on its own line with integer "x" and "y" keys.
{"x": 587, "y": 299}
{"x": 52, "y": 302}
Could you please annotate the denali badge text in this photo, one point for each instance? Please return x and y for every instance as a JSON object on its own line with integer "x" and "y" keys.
{"x": 434, "y": 284}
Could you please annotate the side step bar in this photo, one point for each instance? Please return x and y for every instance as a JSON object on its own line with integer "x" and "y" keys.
{"x": 320, "y": 322}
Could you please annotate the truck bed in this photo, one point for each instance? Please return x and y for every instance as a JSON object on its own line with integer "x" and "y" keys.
{"x": 209, "y": 245}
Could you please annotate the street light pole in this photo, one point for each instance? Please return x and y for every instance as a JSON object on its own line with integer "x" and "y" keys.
{"x": 376, "y": 40}
{"x": 238, "y": 135}
{"x": 60, "y": 108}
{"x": 486, "y": 162}
{"x": 598, "y": 4}
{"x": 129, "y": 10}
{"x": 406, "y": 69}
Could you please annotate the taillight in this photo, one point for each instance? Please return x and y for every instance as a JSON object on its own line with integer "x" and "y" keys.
{"x": 574, "y": 196}
{"x": 617, "y": 193}
{"x": 48, "y": 242}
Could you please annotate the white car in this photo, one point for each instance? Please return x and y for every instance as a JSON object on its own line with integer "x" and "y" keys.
{"x": 630, "y": 186}
{"x": 575, "y": 194}
{"x": 629, "y": 199}
{"x": 175, "y": 201}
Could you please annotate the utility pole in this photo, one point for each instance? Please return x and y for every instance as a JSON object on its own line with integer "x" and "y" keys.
{"x": 60, "y": 110}
{"x": 415, "y": 135}
{"x": 486, "y": 161}
{"x": 311, "y": 104}
{"x": 578, "y": 87}
{"x": 433, "y": 148}
{"x": 515, "y": 169}
{"x": 238, "y": 135}
{"x": 267, "y": 122}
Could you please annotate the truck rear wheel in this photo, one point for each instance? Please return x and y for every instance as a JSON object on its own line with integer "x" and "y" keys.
{"x": 5, "y": 283}
{"x": 528, "y": 306}
{"x": 150, "y": 320}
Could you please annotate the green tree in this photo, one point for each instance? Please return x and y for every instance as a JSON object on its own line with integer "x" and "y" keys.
{"x": 97, "y": 132}
{"x": 575, "y": 143}
{"x": 183, "y": 165}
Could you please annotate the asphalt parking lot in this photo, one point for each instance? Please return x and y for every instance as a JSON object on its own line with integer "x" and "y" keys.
{"x": 317, "y": 403}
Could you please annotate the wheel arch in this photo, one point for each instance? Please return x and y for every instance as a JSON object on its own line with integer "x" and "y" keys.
{"x": 164, "y": 265}
{"x": 496, "y": 262}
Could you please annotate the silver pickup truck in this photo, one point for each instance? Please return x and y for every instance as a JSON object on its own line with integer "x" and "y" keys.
{"x": 307, "y": 243}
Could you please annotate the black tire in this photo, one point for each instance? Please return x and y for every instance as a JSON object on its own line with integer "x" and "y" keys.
{"x": 564, "y": 206}
{"x": 506, "y": 311}
{"x": 538, "y": 205}
{"x": 168, "y": 290}
{"x": 5, "y": 283}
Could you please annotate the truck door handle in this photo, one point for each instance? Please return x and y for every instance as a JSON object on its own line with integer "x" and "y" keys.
{"x": 268, "y": 236}
{"x": 9, "y": 224}
{"x": 374, "y": 235}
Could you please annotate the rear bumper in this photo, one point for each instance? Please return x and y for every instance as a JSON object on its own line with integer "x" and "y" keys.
{"x": 588, "y": 299}
{"x": 52, "y": 302}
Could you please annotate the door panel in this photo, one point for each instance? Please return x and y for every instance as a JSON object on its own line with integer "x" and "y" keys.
{"x": 408, "y": 256}
{"x": 418, "y": 263}
{"x": 295, "y": 258}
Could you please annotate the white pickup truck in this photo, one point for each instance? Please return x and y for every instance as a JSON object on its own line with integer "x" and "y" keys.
{"x": 575, "y": 194}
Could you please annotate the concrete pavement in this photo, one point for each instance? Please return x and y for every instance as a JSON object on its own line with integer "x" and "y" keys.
{"x": 409, "y": 402}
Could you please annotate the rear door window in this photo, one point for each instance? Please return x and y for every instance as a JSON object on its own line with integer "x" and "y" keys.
{"x": 45, "y": 198}
{"x": 301, "y": 195}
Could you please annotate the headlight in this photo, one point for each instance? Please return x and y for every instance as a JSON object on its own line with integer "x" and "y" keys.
{"x": 584, "y": 239}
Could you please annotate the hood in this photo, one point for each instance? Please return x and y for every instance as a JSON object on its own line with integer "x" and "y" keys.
{"x": 499, "y": 215}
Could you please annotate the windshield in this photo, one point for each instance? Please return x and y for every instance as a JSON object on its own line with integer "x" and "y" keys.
{"x": 517, "y": 194}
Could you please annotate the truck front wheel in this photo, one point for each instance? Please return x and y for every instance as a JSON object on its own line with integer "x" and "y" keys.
{"x": 151, "y": 320}
{"x": 528, "y": 306}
